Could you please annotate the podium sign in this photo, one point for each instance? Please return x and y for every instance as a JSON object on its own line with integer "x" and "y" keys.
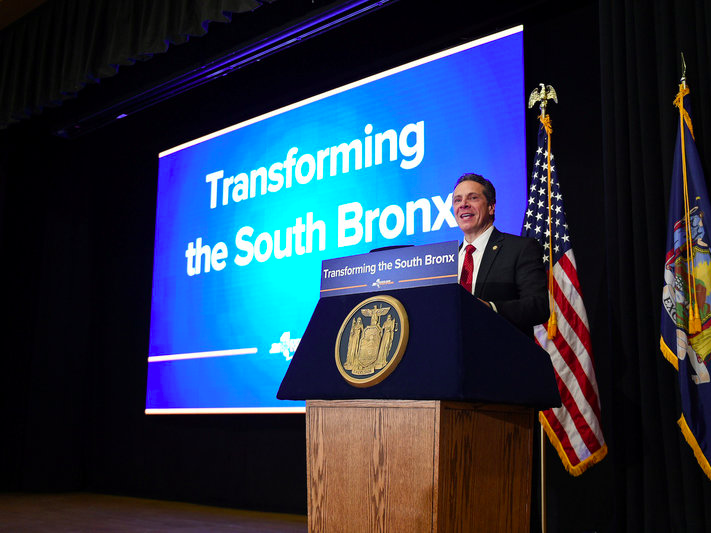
{"x": 390, "y": 269}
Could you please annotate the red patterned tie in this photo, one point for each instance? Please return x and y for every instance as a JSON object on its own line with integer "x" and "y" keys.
{"x": 467, "y": 268}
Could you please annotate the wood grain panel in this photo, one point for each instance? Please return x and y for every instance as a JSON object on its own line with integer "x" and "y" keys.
{"x": 485, "y": 469}
{"x": 369, "y": 467}
{"x": 418, "y": 466}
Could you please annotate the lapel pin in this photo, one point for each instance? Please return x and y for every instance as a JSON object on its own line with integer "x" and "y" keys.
{"x": 495, "y": 247}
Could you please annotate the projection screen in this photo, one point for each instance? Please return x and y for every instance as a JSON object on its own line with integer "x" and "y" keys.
{"x": 245, "y": 215}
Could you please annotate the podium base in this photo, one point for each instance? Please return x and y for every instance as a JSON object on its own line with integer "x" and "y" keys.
{"x": 418, "y": 466}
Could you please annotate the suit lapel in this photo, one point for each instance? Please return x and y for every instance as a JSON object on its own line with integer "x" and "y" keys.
{"x": 493, "y": 247}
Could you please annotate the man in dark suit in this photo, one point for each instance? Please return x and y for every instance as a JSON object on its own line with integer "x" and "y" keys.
{"x": 504, "y": 271}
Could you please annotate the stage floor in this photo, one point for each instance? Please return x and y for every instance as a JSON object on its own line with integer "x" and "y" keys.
{"x": 99, "y": 513}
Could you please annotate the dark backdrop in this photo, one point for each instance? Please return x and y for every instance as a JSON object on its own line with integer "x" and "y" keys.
{"x": 76, "y": 230}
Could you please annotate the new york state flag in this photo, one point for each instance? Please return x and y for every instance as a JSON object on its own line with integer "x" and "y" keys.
{"x": 686, "y": 295}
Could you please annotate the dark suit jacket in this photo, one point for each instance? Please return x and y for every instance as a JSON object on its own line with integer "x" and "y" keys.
{"x": 512, "y": 276}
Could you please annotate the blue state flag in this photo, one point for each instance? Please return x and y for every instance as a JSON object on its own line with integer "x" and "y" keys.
{"x": 686, "y": 314}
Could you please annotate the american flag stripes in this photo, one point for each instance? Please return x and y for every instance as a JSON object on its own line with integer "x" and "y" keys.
{"x": 574, "y": 429}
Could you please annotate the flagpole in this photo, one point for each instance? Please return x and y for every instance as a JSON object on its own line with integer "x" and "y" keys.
{"x": 543, "y": 94}
{"x": 542, "y": 441}
{"x": 544, "y": 518}
{"x": 694, "y": 322}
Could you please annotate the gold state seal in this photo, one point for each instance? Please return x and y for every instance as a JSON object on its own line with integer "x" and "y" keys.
{"x": 372, "y": 340}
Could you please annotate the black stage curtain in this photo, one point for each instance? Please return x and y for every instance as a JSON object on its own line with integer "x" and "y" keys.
{"x": 76, "y": 223}
{"x": 56, "y": 50}
{"x": 657, "y": 485}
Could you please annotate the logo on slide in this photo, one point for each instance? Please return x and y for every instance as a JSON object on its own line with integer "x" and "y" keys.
{"x": 286, "y": 346}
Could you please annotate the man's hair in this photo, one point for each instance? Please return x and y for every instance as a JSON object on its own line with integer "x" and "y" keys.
{"x": 489, "y": 190}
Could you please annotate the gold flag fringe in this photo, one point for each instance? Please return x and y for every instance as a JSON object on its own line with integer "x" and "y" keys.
{"x": 691, "y": 441}
{"x": 573, "y": 470}
{"x": 668, "y": 354}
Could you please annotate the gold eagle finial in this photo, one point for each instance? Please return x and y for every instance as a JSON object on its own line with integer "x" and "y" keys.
{"x": 542, "y": 94}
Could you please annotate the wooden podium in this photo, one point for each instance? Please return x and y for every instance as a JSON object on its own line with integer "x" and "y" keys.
{"x": 418, "y": 466}
{"x": 444, "y": 443}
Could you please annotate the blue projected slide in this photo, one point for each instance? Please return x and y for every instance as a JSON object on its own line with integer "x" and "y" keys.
{"x": 246, "y": 215}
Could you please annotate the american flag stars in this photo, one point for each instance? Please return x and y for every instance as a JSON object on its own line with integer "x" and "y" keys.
{"x": 537, "y": 221}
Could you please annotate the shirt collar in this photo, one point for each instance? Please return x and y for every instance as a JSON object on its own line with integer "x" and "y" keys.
{"x": 481, "y": 241}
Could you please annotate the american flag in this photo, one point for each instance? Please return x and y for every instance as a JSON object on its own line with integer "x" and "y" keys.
{"x": 573, "y": 429}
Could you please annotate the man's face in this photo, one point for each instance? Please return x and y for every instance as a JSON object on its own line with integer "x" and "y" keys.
{"x": 471, "y": 209}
